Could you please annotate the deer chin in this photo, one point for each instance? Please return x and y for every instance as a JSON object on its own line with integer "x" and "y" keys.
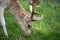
{"x": 27, "y": 32}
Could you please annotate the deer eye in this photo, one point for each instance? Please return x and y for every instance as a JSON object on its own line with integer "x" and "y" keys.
{"x": 29, "y": 26}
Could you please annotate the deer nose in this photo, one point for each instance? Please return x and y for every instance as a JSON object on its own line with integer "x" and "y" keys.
{"x": 29, "y": 26}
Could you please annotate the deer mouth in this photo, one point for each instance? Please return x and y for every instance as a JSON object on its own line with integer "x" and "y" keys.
{"x": 27, "y": 32}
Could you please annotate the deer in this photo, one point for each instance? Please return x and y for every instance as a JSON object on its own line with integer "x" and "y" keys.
{"x": 24, "y": 19}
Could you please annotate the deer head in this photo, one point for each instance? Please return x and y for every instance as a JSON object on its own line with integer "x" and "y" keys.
{"x": 33, "y": 5}
{"x": 24, "y": 19}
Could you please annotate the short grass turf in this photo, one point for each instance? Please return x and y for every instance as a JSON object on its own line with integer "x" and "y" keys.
{"x": 47, "y": 29}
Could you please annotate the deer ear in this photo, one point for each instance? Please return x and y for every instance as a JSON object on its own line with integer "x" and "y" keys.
{"x": 27, "y": 18}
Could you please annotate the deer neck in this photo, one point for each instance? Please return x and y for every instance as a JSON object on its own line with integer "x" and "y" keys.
{"x": 18, "y": 11}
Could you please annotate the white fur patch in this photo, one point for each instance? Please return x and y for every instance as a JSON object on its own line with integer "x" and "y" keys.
{"x": 2, "y": 20}
{"x": 30, "y": 8}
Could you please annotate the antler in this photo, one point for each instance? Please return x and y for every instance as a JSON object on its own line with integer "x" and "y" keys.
{"x": 32, "y": 13}
{"x": 33, "y": 4}
{"x": 34, "y": 18}
{"x": 33, "y": 10}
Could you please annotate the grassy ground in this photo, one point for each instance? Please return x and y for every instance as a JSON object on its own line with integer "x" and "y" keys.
{"x": 47, "y": 29}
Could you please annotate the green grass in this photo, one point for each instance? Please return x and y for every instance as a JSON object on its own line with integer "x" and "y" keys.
{"x": 47, "y": 29}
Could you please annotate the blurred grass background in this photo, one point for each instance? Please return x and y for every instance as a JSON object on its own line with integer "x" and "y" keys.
{"x": 47, "y": 29}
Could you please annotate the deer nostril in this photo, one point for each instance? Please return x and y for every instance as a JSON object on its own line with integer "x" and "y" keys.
{"x": 29, "y": 26}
